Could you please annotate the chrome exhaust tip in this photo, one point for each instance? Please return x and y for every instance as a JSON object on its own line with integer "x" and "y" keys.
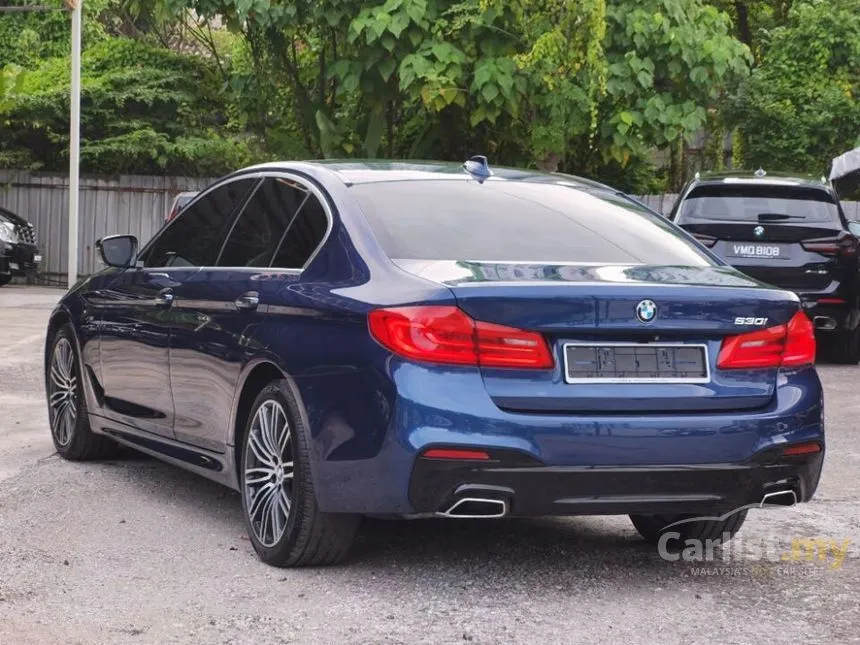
{"x": 779, "y": 498}
{"x": 825, "y": 323}
{"x": 476, "y": 507}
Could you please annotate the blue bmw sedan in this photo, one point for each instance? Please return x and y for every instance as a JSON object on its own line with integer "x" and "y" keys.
{"x": 340, "y": 339}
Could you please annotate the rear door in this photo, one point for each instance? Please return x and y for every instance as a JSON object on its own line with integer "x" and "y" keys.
{"x": 790, "y": 236}
{"x": 218, "y": 312}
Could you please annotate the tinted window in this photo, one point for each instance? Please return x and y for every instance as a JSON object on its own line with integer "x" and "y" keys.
{"x": 518, "y": 221}
{"x": 195, "y": 237}
{"x": 262, "y": 224}
{"x": 745, "y": 203}
{"x": 305, "y": 235}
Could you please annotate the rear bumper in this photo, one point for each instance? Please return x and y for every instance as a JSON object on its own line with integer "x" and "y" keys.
{"x": 844, "y": 315}
{"x": 562, "y": 463}
{"x": 437, "y": 485}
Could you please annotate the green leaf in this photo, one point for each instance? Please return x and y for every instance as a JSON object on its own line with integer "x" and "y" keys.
{"x": 386, "y": 68}
{"x": 374, "y": 132}
{"x": 626, "y": 118}
{"x": 490, "y": 91}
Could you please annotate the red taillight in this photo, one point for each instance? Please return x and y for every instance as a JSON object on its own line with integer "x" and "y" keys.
{"x": 790, "y": 345}
{"x": 845, "y": 245}
{"x": 457, "y": 454}
{"x": 707, "y": 240}
{"x": 802, "y": 449}
{"x": 445, "y": 334}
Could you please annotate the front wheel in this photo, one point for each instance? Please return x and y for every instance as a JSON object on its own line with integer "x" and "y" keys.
{"x": 284, "y": 523}
{"x": 653, "y": 527}
{"x": 67, "y": 409}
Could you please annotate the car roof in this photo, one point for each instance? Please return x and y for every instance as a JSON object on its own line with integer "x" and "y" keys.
{"x": 353, "y": 172}
{"x": 760, "y": 177}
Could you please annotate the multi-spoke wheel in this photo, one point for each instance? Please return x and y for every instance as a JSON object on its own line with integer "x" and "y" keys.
{"x": 62, "y": 392}
{"x": 269, "y": 473}
{"x": 284, "y": 523}
{"x": 67, "y": 410}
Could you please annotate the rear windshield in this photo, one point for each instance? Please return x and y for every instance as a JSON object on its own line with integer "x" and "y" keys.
{"x": 520, "y": 222}
{"x": 776, "y": 204}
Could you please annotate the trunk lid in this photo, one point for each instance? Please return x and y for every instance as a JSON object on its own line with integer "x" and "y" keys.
{"x": 577, "y": 307}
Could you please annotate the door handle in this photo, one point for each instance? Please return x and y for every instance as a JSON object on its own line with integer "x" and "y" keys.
{"x": 164, "y": 298}
{"x": 248, "y": 301}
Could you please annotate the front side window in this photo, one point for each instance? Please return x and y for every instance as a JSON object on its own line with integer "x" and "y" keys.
{"x": 195, "y": 237}
{"x": 262, "y": 224}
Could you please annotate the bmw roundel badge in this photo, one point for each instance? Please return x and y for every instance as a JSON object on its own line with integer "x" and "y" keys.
{"x": 758, "y": 231}
{"x": 646, "y": 311}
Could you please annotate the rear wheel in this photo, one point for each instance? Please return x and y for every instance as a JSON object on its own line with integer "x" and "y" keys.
{"x": 5, "y": 279}
{"x": 845, "y": 347}
{"x": 67, "y": 409}
{"x": 284, "y": 523}
{"x": 652, "y": 527}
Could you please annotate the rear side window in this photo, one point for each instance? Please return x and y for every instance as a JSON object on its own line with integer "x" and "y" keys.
{"x": 304, "y": 236}
{"x": 195, "y": 237}
{"x": 262, "y": 224}
{"x": 519, "y": 222}
{"x": 751, "y": 203}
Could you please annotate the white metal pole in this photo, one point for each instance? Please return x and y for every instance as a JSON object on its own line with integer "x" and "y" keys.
{"x": 74, "y": 142}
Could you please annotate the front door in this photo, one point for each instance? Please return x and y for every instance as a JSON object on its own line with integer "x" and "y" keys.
{"x": 135, "y": 339}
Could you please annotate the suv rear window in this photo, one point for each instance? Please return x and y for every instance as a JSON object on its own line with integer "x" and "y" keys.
{"x": 745, "y": 203}
{"x": 518, "y": 222}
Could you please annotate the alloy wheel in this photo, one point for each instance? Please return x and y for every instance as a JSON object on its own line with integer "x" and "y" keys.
{"x": 62, "y": 392}
{"x": 268, "y": 483}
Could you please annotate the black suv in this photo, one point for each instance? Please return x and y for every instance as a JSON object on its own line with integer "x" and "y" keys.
{"x": 789, "y": 232}
{"x": 18, "y": 251}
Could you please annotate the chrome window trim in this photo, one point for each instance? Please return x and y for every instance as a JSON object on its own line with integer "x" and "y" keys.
{"x": 597, "y": 381}
{"x": 203, "y": 193}
{"x": 303, "y": 182}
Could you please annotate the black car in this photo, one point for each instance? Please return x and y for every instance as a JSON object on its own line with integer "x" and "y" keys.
{"x": 787, "y": 231}
{"x": 19, "y": 254}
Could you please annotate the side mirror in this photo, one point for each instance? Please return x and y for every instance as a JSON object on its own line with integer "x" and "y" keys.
{"x": 118, "y": 250}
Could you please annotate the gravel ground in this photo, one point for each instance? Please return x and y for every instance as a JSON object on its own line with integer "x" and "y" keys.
{"x": 135, "y": 551}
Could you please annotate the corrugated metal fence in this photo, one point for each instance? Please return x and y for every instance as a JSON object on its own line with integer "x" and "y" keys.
{"x": 130, "y": 204}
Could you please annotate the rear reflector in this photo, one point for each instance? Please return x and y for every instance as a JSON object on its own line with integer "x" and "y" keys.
{"x": 831, "y": 301}
{"x": 457, "y": 454}
{"x": 791, "y": 345}
{"x": 802, "y": 449}
{"x": 446, "y": 334}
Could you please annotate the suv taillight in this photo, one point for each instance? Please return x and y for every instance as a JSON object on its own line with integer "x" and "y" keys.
{"x": 707, "y": 240}
{"x": 845, "y": 244}
{"x": 790, "y": 345}
{"x": 446, "y": 334}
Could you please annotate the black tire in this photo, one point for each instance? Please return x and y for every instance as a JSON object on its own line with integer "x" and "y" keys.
{"x": 72, "y": 435}
{"x": 5, "y": 279}
{"x": 651, "y": 527}
{"x": 309, "y": 537}
{"x": 845, "y": 348}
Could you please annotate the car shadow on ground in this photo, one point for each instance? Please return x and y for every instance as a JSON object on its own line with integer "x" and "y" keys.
{"x": 554, "y": 548}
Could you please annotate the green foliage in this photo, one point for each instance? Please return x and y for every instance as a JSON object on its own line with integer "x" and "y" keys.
{"x": 799, "y": 108}
{"x": 144, "y": 109}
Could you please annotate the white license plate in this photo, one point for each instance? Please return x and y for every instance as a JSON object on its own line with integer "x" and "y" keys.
{"x": 37, "y": 258}
{"x": 13, "y": 266}
{"x": 755, "y": 250}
